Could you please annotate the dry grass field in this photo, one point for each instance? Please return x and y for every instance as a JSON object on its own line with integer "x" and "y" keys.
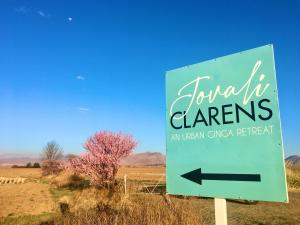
{"x": 31, "y": 197}
{"x": 143, "y": 173}
{"x": 42, "y": 200}
{"x": 20, "y": 172}
{"x": 28, "y": 198}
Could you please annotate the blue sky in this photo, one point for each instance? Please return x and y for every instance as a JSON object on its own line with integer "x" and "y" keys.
{"x": 70, "y": 69}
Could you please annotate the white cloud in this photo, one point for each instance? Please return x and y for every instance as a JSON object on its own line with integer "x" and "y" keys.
{"x": 43, "y": 14}
{"x": 70, "y": 18}
{"x": 80, "y": 77}
{"x": 25, "y": 10}
{"x": 82, "y": 109}
{"x": 22, "y": 10}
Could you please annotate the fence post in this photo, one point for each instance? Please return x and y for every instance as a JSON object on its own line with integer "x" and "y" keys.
{"x": 125, "y": 184}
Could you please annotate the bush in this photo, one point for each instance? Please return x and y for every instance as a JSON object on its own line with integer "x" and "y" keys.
{"x": 71, "y": 181}
{"x": 28, "y": 165}
{"x": 293, "y": 178}
{"x": 36, "y": 165}
{"x": 99, "y": 208}
{"x": 52, "y": 167}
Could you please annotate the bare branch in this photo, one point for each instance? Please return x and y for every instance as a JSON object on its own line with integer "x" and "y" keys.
{"x": 52, "y": 151}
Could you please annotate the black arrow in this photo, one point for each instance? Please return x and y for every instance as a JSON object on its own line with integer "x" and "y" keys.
{"x": 197, "y": 176}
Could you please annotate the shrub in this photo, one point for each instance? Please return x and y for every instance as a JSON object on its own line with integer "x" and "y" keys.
{"x": 36, "y": 165}
{"x": 28, "y": 165}
{"x": 68, "y": 180}
{"x": 104, "y": 152}
{"x": 293, "y": 178}
{"x": 142, "y": 210}
{"x": 51, "y": 167}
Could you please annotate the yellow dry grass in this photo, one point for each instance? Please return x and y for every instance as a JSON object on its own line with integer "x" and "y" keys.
{"x": 89, "y": 205}
{"x": 135, "y": 173}
{"x": 20, "y": 172}
{"x": 94, "y": 206}
{"x": 29, "y": 198}
{"x": 143, "y": 173}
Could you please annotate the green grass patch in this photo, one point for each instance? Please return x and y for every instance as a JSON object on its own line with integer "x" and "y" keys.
{"x": 58, "y": 193}
{"x": 27, "y": 219}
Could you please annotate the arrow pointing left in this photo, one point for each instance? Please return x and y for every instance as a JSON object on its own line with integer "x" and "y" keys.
{"x": 197, "y": 176}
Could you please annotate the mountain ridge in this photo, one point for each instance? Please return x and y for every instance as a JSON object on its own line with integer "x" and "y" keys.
{"x": 147, "y": 158}
{"x": 293, "y": 161}
{"x": 137, "y": 159}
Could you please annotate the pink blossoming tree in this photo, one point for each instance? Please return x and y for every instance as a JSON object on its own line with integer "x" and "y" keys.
{"x": 102, "y": 160}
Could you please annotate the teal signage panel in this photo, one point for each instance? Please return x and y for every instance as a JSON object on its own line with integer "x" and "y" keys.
{"x": 223, "y": 129}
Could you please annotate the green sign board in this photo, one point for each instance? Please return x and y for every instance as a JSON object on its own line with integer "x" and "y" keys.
{"x": 223, "y": 129}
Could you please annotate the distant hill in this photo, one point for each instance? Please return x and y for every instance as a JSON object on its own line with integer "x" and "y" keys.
{"x": 139, "y": 159}
{"x": 293, "y": 161}
{"x": 144, "y": 159}
{"x": 9, "y": 159}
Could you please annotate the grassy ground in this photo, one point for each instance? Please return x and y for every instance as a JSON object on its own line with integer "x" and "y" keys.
{"x": 38, "y": 201}
{"x": 29, "y": 198}
{"x": 20, "y": 172}
{"x": 143, "y": 173}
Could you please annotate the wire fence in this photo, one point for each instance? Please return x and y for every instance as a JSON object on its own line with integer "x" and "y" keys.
{"x": 145, "y": 183}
